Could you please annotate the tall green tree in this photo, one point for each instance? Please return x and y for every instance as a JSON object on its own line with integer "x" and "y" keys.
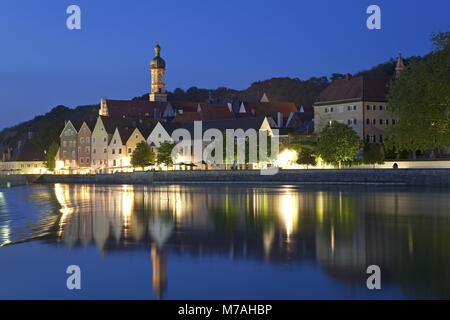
{"x": 142, "y": 155}
{"x": 373, "y": 153}
{"x": 421, "y": 99}
{"x": 164, "y": 155}
{"x": 50, "y": 161}
{"x": 305, "y": 146}
{"x": 338, "y": 144}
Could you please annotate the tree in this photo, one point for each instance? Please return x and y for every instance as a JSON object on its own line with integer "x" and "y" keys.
{"x": 421, "y": 99}
{"x": 142, "y": 156}
{"x": 305, "y": 146}
{"x": 306, "y": 156}
{"x": 165, "y": 153}
{"x": 50, "y": 161}
{"x": 338, "y": 144}
{"x": 373, "y": 154}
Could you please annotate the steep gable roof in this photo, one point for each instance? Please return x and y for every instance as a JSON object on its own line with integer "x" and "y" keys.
{"x": 110, "y": 124}
{"x": 270, "y": 109}
{"x": 186, "y": 106}
{"x": 355, "y": 89}
{"x": 133, "y": 108}
{"x": 187, "y": 117}
{"x": 215, "y": 112}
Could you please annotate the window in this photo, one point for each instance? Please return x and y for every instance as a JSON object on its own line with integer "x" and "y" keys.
{"x": 351, "y": 121}
{"x": 114, "y": 141}
{"x": 87, "y": 149}
{"x": 87, "y": 160}
{"x": 159, "y": 135}
{"x": 94, "y": 140}
{"x": 94, "y": 162}
{"x": 94, "y": 151}
{"x": 104, "y": 139}
{"x": 120, "y": 150}
{"x": 64, "y": 154}
{"x": 81, "y": 160}
{"x": 367, "y": 121}
{"x": 88, "y": 140}
{"x": 368, "y": 107}
{"x": 113, "y": 151}
{"x": 393, "y": 121}
{"x": 129, "y": 150}
{"x": 381, "y": 121}
{"x": 381, "y": 138}
{"x": 81, "y": 140}
{"x": 387, "y": 121}
{"x": 136, "y": 136}
{"x": 341, "y": 109}
{"x": 351, "y": 108}
{"x": 374, "y": 121}
{"x": 114, "y": 163}
{"x": 64, "y": 144}
{"x": 104, "y": 150}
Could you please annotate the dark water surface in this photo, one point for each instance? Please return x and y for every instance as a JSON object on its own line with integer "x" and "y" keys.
{"x": 224, "y": 241}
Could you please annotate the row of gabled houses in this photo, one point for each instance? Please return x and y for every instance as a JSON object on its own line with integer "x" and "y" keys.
{"x": 107, "y": 145}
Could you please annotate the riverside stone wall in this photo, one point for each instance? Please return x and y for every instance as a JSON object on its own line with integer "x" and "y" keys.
{"x": 410, "y": 177}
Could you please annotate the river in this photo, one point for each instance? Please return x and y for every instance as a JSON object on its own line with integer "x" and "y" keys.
{"x": 224, "y": 241}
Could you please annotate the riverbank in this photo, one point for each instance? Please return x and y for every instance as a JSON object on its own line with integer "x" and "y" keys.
{"x": 13, "y": 180}
{"x": 408, "y": 177}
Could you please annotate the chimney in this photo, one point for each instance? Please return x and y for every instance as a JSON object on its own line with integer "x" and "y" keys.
{"x": 348, "y": 76}
{"x": 279, "y": 119}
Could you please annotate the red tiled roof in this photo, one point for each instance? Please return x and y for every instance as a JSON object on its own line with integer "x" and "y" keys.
{"x": 186, "y": 106}
{"x": 133, "y": 108}
{"x": 353, "y": 89}
{"x": 270, "y": 109}
{"x": 215, "y": 112}
{"x": 186, "y": 117}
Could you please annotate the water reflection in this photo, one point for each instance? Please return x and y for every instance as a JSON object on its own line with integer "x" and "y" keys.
{"x": 342, "y": 230}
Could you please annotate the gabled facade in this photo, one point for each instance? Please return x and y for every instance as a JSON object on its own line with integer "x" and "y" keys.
{"x": 135, "y": 138}
{"x": 158, "y": 135}
{"x": 99, "y": 145}
{"x": 84, "y": 145}
{"x": 116, "y": 151}
{"x": 68, "y": 144}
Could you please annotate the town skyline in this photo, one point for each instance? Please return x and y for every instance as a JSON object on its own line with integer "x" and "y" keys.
{"x": 60, "y": 77}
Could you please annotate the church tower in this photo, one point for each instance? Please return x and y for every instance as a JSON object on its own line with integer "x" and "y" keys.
{"x": 400, "y": 65}
{"x": 157, "y": 68}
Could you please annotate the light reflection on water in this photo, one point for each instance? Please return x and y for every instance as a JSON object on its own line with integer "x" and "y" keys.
{"x": 341, "y": 230}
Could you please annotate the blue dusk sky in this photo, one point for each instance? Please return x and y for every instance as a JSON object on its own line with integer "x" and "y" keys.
{"x": 205, "y": 44}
